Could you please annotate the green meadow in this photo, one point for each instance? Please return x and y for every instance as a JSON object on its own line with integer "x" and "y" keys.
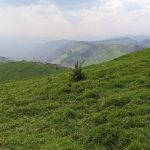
{"x": 109, "y": 110}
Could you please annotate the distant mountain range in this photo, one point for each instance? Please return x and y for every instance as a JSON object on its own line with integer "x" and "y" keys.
{"x": 4, "y": 59}
{"x": 67, "y": 52}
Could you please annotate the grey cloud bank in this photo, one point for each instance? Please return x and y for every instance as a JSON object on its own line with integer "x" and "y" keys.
{"x": 61, "y": 19}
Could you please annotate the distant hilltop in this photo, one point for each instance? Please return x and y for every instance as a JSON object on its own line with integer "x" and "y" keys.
{"x": 67, "y": 52}
{"x": 4, "y": 59}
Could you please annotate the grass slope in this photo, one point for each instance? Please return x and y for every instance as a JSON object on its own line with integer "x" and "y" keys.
{"x": 110, "y": 110}
{"x": 24, "y": 70}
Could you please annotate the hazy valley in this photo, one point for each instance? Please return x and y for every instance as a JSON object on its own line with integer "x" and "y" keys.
{"x": 67, "y": 52}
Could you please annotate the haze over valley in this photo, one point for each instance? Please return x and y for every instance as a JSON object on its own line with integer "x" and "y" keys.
{"x": 67, "y": 52}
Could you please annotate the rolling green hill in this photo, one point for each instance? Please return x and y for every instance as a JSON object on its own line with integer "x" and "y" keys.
{"x": 24, "y": 70}
{"x": 109, "y": 110}
{"x": 68, "y": 52}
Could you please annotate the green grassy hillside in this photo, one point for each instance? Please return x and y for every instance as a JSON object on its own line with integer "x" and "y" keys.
{"x": 92, "y": 53}
{"x": 110, "y": 110}
{"x": 24, "y": 70}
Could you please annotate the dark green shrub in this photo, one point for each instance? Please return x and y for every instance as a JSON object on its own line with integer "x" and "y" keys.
{"x": 77, "y": 73}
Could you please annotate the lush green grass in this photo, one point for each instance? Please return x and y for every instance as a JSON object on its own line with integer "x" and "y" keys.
{"x": 110, "y": 110}
{"x": 25, "y": 70}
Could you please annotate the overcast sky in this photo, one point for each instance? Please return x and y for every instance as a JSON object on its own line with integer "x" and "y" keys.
{"x": 74, "y": 18}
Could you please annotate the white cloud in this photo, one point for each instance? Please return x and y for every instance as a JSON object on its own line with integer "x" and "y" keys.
{"x": 109, "y": 18}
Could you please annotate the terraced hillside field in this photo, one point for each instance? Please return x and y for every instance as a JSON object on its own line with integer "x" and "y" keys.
{"x": 109, "y": 110}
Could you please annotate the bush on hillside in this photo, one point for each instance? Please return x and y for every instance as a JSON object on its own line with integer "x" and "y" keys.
{"x": 77, "y": 73}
